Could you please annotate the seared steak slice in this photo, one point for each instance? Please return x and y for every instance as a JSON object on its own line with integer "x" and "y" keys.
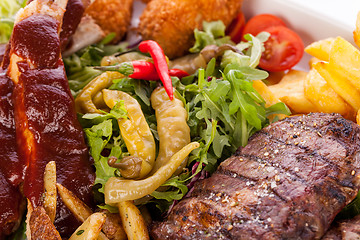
{"x": 289, "y": 182}
{"x": 345, "y": 229}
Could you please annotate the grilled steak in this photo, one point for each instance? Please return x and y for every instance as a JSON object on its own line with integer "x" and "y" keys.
{"x": 345, "y": 229}
{"x": 289, "y": 182}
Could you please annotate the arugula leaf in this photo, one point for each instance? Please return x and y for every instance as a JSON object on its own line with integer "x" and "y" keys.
{"x": 178, "y": 192}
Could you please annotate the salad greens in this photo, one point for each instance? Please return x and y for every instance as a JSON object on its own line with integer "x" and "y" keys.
{"x": 224, "y": 110}
{"x": 8, "y": 8}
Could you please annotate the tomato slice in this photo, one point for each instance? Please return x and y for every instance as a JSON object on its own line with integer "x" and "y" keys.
{"x": 235, "y": 29}
{"x": 283, "y": 49}
{"x": 260, "y": 22}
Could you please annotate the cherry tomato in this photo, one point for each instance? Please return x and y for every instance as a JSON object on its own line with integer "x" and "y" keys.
{"x": 260, "y": 22}
{"x": 235, "y": 29}
{"x": 283, "y": 49}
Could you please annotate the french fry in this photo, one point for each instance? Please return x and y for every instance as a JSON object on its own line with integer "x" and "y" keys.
{"x": 358, "y": 117}
{"x": 27, "y": 220}
{"x": 50, "y": 190}
{"x": 345, "y": 61}
{"x": 319, "y": 92}
{"x": 81, "y": 211}
{"x": 320, "y": 49}
{"x": 313, "y": 61}
{"x": 77, "y": 207}
{"x": 290, "y": 90}
{"x": 357, "y": 30}
{"x": 90, "y": 229}
{"x": 268, "y": 96}
{"x": 133, "y": 221}
{"x": 340, "y": 84}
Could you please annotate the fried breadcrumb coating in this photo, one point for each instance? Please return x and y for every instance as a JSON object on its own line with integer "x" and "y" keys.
{"x": 172, "y": 22}
{"x": 111, "y": 16}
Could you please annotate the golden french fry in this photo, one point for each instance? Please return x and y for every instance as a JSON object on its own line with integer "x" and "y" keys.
{"x": 320, "y": 49}
{"x": 268, "y": 96}
{"x": 132, "y": 221}
{"x": 40, "y": 225}
{"x": 81, "y": 211}
{"x": 90, "y": 229}
{"x": 358, "y": 117}
{"x": 27, "y": 220}
{"x": 77, "y": 207}
{"x": 50, "y": 190}
{"x": 345, "y": 61}
{"x": 290, "y": 90}
{"x": 319, "y": 92}
{"x": 313, "y": 61}
{"x": 357, "y": 30}
{"x": 340, "y": 84}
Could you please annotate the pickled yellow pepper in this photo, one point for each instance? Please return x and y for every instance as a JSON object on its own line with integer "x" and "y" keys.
{"x": 88, "y": 100}
{"x": 173, "y": 131}
{"x": 119, "y": 190}
{"x": 134, "y": 130}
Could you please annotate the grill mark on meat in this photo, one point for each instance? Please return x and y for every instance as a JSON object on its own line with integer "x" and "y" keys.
{"x": 307, "y": 150}
{"x": 282, "y": 190}
{"x": 302, "y": 202}
{"x": 332, "y": 164}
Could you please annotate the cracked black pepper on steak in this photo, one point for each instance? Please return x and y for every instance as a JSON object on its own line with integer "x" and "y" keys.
{"x": 290, "y": 181}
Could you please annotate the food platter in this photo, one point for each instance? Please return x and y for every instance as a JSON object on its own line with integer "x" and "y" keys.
{"x": 312, "y": 22}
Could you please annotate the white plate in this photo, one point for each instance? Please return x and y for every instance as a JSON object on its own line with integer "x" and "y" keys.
{"x": 312, "y": 19}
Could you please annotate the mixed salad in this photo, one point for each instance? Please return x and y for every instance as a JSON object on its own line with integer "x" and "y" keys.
{"x": 223, "y": 108}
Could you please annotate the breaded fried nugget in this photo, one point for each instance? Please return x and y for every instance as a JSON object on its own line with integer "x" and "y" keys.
{"x": 111, "y": 16}
{"x": 172, "y": 22}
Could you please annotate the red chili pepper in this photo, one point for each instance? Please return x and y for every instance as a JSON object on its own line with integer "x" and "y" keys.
{"x": 135, "y": 69}
{"x": 178, "y": 73}
{"x": 141, "y": 70}
{"x": 144, "y": 70}
{"x": 160, "y": 63}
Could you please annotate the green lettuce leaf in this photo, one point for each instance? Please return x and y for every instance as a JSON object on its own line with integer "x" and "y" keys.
{"x": 213, "y": 34}
{"x": 8, "y": 8}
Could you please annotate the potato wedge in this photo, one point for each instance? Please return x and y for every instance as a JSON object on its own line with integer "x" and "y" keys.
{"x": 50, "y": 190}
{"x": 268, "y": 96}
{"x": 357, "y": 30}
{"x": 320, "y": 49}
{"x": 41, "y": 226}
{"x": 133, "y": 222}
{"x": 339, "y": 84}
{"x": 345, "y": 61}
{"x": 319, "y": 92}
{"x": 290, "y": 90}
{"x": 90, "y": 229}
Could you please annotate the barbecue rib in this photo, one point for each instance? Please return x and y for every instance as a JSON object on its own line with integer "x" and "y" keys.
{"x": 289, "y": 182}
{"x": 11, "y": 168}
{"x": 45, "y": 119}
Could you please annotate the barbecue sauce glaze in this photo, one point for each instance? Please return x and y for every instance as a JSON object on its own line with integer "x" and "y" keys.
{"x": 46, "y": 123}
